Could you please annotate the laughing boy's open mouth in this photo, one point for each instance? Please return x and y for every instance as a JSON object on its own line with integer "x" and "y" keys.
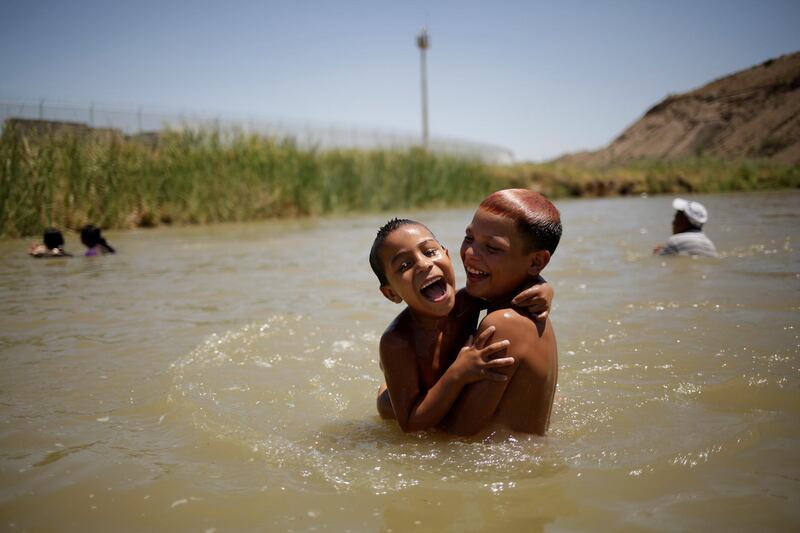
{"x": 434, "y": 290}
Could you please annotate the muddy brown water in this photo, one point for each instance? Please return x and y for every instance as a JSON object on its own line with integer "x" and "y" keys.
{"x": 223, "y": 379}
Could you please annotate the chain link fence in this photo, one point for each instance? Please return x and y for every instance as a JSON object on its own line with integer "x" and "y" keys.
{"x": 308, "y": 134}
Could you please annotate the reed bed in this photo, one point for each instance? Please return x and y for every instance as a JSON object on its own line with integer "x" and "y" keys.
{"x": 67, "y": 177}
{"x": 650, "y": 176}
{"x": 70, "y": 178}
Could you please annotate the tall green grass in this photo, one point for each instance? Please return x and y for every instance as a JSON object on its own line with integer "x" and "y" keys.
{"x": 68, "y": 177}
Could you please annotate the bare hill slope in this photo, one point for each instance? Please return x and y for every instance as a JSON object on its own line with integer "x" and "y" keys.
{"x": 754, "y": 113}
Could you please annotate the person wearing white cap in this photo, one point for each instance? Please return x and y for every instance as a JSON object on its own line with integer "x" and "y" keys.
{"x": 687, "y": 231}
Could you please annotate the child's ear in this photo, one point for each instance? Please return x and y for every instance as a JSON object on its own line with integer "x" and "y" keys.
{"x": 446, "y": 251}
{"x": 539, "y": 260}
{"x": 387, "y": 291}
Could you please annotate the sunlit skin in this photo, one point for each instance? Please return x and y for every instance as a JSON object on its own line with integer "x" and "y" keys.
{"x": 414, "y": 259}
{"x": 495, "y": 260}
{"x": 499, "y": 265}
{"x": 417, "y": 349}
{"x": 424, "y": 369}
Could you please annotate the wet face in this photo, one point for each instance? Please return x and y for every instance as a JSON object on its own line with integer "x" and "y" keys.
{"x": 419, "y": 271}
{"x": 495, "y": 257}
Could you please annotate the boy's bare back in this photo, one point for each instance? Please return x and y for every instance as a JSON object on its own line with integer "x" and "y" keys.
{"x": 524, "y": 402}
{"x": 509, "y": 241}
{"x": 528, "y": 399}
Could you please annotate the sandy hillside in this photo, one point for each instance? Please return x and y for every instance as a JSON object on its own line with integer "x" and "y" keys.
{"x": 754, "y": 113}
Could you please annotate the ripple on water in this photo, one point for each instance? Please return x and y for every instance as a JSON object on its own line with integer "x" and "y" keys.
{"x": 666, "y": 388}
{"x": 301, "y": 397}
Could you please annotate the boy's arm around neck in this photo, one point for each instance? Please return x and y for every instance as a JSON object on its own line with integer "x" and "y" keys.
{"x": 534, "y": 301}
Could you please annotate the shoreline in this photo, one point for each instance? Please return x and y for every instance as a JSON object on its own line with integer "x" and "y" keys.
{"x": 312, "y": 219}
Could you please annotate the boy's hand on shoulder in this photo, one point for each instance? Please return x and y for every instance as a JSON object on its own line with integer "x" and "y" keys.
{"x": 477, "y": 360}
{"x": 535, "y": 301}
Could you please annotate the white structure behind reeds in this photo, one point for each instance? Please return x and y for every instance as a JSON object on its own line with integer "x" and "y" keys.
{"x": 306, "y": 133}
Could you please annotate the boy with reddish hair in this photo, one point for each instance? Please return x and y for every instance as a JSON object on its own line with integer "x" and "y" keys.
{"x": 510, "y": 240}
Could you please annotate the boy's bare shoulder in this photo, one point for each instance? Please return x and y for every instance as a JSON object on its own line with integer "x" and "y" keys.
{"x": 398, "y": 336}
{"x": 514, "y": 326}
{"x": 533, "y": 343}
{"x": 509, "y": 317}
{"x": 396, "y": 349}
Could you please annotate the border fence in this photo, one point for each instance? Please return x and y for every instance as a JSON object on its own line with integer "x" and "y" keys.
{"x": 306, "y": 133}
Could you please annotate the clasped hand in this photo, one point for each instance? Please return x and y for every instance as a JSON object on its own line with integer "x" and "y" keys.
{"x": 477, "y": 360}
{"x": 535, "y": 300}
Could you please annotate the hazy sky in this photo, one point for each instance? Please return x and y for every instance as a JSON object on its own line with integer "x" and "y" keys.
{"x": 540, "y": 78}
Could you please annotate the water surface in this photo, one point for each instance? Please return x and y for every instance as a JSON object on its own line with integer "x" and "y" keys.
{"x": 223, "y": 378}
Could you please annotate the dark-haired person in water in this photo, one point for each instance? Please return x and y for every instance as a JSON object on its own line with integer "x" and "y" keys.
{"x": 53, "y": 245}
{"x": 94, "y": 241}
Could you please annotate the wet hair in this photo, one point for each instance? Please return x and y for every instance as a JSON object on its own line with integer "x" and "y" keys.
{"x": 90, "y": 237}
{"x": 52, "y": 238}
{"x": 537, "y": 219}
{"x": 380, "y": 238}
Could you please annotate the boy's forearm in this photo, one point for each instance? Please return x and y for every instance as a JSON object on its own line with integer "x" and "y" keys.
{"x": 478, "y": 401}
{"x": 436, "y": 403}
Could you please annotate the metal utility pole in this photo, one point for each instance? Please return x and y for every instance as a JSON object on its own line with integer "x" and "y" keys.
{"x": 423, "y": 43}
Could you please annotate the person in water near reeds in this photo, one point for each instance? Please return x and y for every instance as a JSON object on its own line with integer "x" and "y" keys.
{"x": 687, "y": 231}
{"x": 419, "y": 352}
{"x": 94, "y": 241}
{"x": 510, "y": 240}
{"x": 53, "y": 245}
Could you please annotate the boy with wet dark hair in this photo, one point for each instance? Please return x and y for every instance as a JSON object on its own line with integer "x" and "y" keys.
{"x": 510, "y": 240}
{"x": 53, "y": 245}
{"x": 424, "y": 369}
